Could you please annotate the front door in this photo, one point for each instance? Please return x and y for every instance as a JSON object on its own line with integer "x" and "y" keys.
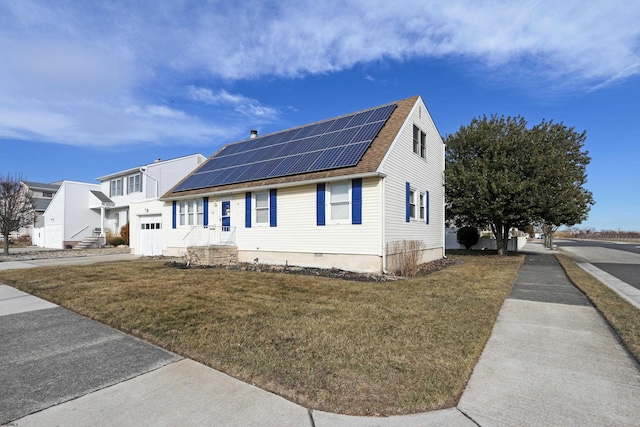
{"x": 225, "y": 217}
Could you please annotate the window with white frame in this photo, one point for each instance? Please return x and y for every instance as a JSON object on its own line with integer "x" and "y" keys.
{"x": 419, "y": 142}
{"x": 412, "y": 204}
{"x": 134, "y": 184}
{"x": 339, "y": 206}
{"x": 262, "y": 208}
{"x": 115, "y": 187}
{"x": 422, "y": 205}
{"x": 190, "y": 212}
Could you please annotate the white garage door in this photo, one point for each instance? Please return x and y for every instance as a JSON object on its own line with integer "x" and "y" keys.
{"x": 53, "y": 236}
{"x": 151, "y": 235}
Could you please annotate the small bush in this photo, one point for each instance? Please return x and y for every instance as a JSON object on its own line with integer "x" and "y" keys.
{"x": 24, "y": 239}
{"x": 124, "y": 233}
{"x": 468, "y": 236}
{"x": 116, "y": 241}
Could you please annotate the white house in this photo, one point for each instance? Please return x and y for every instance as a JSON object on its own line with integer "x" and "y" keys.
{"x": 41, "y": 195}
{"x": 73, "y": 214}
{"x": 82, "y": 212}
{"x": 340, "y": 193}
{"x": 146, "y": 182}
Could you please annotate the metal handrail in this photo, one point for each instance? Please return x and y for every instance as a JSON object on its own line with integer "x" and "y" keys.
{"x": 81, "y": 230}
{"x": 199, "y": 235}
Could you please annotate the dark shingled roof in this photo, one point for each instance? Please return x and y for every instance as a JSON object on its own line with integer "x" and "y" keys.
{"x": 41, "y": 186}
{"x": 101, "y": 196}
{"x": 40, "y": 205}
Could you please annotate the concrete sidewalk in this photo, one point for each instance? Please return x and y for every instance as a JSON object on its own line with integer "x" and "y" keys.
{"x": 80, "y": 260}
{"x": 551, "y": 360}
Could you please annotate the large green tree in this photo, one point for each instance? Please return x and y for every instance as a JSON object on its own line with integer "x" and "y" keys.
{"x": 562, "y": 174}
{"x": 500, "y": 174}
{"x": 16, "y": 210}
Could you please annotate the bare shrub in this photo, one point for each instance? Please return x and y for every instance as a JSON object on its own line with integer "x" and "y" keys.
{"x": 25, "y": 239}
{"x": 124, "y": 233}
{"x": 403, "y": 257}
{"x": 113, "y": 239}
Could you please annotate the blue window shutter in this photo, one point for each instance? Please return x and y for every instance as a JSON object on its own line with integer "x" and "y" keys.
{"x": 426, "y": 208}
{"x": 247, "y": 210}
{"x": 273, "y": 213}
{"x": 356, "y": 201}
{"x": 205, "y": 208}
{"x": 320, "y": 212}
{"x": 174, "y": 219}
{"x": 408, "y": 197}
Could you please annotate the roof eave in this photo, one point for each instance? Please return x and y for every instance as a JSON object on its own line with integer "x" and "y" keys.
{"x": 257, "y": 187}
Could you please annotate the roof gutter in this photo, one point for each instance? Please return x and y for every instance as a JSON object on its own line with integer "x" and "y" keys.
{"x": 281, "y": 185}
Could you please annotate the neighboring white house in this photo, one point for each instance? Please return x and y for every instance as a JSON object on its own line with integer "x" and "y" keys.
{"x": 41, "y": 195}
{"x": 82, "y": 211}
{"x": 340, "y": 193}
{"x": 73, "y": 214}
{"x": 146, "y": 182}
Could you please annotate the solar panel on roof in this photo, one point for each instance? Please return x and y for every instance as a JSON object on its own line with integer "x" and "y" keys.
{"x": 330, "y": 144}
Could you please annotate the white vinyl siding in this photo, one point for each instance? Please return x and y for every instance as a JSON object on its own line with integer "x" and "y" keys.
{"x": 297, "y": 230}
{"x": 68, "y": 217}
{"x": 157, "y": 179}
{"x": 401, "y": 166}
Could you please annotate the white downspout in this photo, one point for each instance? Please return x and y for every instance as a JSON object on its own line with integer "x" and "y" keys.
{"x": 444, "y": 201}
{"x": 102, "y": 220}
{"x": 383, "y": 225}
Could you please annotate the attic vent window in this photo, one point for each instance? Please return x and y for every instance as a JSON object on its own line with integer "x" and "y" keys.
{"x": 419, "y": 142}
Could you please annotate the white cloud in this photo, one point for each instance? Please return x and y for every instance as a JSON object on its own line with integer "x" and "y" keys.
{"x": 241, "y": 104}
{"x": 96, "y": 72}
{"x": 106, "y": 124}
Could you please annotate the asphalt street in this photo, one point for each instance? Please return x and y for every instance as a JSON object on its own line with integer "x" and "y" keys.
{"x": 620, "y": 260}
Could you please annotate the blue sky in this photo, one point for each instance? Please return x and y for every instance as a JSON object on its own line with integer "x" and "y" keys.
{"x": 91, "y": 88}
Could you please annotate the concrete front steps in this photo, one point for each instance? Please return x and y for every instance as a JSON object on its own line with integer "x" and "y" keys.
{"x": 88, "y": 243}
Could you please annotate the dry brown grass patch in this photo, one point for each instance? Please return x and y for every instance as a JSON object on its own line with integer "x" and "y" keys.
{"x": 341, "y": 346}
